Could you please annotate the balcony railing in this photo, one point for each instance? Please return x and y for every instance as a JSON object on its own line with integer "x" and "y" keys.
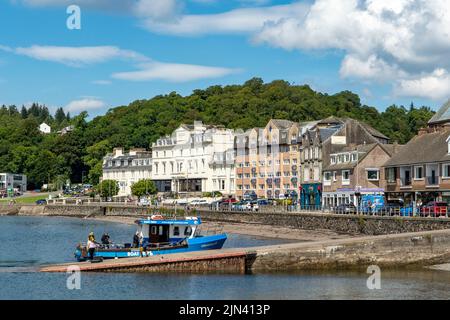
{"x": 432, "y": 181}
{"x": 406, "y": 182}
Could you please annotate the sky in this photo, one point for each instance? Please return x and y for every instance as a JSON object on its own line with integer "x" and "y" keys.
{"x": 95, "y": 55}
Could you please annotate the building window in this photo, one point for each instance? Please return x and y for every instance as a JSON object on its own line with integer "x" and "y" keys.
{"x": 354, "y": 157}
{"x": 418, "y": 173}
{"x": 446, "y": 170}
{"x": 391, "y": 175}
{"x": 316, "y": 174}
{"x": 334, "y": 176}
{"x": 327, "y": 176}
{"x": 306, "y": 174}
{"x": 346, "y": 176}
{"x": 448, "y": 145}
{"x": 373, "y": 175}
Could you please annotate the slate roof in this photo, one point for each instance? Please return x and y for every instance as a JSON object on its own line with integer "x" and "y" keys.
{"x": 325, "y": 133}
{"x": 424, "y": 148}
{"x": 337, "y": 121}
{"x": 363, "y": 151}
{"x": 282, "y": 124}
{"x": 443, "y": 114}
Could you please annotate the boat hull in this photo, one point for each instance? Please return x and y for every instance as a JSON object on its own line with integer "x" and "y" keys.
{"x": 201, "y": 243}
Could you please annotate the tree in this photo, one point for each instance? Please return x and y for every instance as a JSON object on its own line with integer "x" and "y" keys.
{"x": 108, "y": 188}
{"x": 145, "y": 187}
{"x": 23, "y": 149}
{"x": 24, "y": 112}
{"x": 60, "y": 116}
{"x": 94, "y": 159}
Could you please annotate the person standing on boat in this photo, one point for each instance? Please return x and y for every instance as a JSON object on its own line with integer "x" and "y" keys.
{"x": 136, "y": 240}
{"x": 105, "y": 239}
{"x": 91, "y": 245}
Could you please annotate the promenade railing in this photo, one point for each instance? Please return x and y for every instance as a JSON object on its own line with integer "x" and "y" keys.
{"x": 405, "y": 211}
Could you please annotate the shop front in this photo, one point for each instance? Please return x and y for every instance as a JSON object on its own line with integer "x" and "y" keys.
{"x": 311, "y": 195}
{"x": 349, "y": 195}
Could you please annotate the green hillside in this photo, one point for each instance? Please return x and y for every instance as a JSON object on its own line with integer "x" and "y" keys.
{"x": 77, "y": 155}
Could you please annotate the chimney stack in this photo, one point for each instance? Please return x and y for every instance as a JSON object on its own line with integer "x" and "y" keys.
{"x": 118, "y": 152}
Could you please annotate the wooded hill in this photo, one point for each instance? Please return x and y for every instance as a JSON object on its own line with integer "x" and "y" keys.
{"x": 78, "y": 155}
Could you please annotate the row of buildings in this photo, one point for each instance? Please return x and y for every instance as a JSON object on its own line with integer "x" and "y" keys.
{"x": 326, "y": 162}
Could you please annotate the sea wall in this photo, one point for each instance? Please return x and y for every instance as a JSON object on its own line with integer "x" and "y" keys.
{"x": 348, "y": 224}
{"x": 387, "y": 251}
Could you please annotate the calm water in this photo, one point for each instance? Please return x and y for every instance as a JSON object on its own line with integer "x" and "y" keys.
{"x": 27, "y": 242}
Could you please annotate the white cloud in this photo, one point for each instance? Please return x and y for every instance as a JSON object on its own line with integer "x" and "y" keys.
{"x": 78, "y": 56}
{"x": 373, "y": 68}
{"x": 402, "y": 41}
{"x": 435, "y": 86}
{"x": 173, "y": 72}
{"x": 381, "y": 40}
{"x": 148, "y": 69}
{"x": 244, "y": 20}
{"x": 157, "y": 9}
{"x": 85, "y": 104}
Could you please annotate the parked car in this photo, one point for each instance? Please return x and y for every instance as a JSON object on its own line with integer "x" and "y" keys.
{"x": 263, "y": 202}
{"x": 199, "y": 202}
{"x": 408, "y": 211}
{"x": 143, "y": 202}
{"x": 239, "y": 206}
{"x": 434, "y": 209}
{"x": 230, "y": 200}
{"x": 345, "y": 208}
{"x": 41, "y": 202}
{"x": 181, "y": 202}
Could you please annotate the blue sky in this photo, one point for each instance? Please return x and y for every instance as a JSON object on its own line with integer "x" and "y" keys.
{"x": 135, "y": 49}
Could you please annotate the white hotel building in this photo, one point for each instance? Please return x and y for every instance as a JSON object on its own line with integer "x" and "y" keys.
{"x": 127, "y": 168}
{"x": 194, "y": 159}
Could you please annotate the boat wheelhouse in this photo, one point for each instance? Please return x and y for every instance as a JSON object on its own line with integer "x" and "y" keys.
{"x": 158, "y": 235}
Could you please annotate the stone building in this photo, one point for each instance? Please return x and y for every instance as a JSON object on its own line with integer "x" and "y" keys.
{"x": 355, "y": 171}
{"x": 326, "y": 137}
{"x": 421, "y": 171}
{"x": 127, "y": 168}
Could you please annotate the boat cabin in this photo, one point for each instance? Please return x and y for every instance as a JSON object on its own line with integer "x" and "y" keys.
{"x": 157, "y": 230}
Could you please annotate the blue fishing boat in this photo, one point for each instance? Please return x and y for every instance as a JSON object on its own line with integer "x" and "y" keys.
{"x": 158, "y": 235}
